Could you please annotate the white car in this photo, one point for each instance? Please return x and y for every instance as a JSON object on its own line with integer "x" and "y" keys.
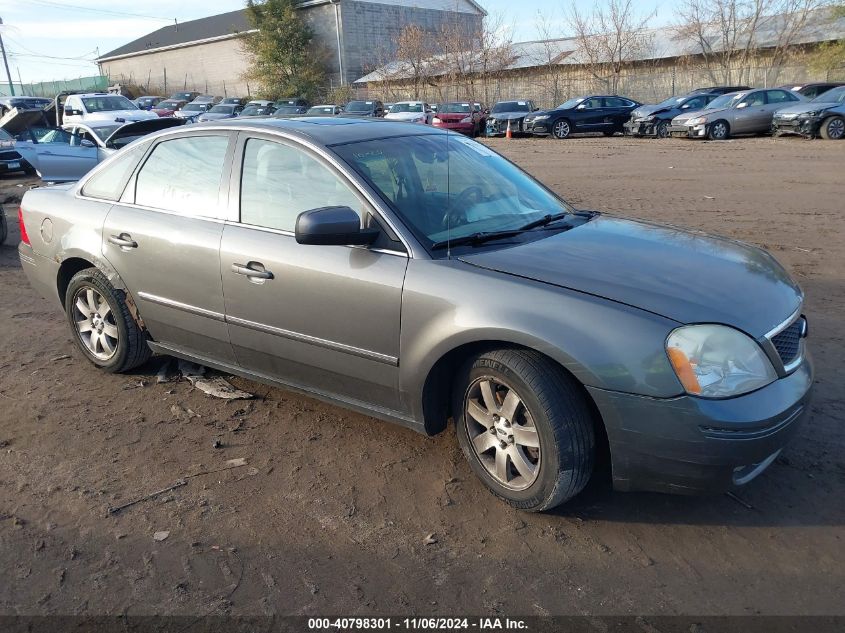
{"x": 411, "y": 111}
{"x": 103, "y": 107}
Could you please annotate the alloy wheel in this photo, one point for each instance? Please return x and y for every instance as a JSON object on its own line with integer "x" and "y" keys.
{"x": 836, "y": 129}
{"x": 719, "y": 130}
{"x": 663, "y": 130}
{"x": 561, "y": 129}
{"x": 95, "y": 323}
{"x": 502, "y": 433}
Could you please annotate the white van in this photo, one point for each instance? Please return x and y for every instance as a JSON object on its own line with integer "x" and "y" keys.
{"x": 103, "y": 107}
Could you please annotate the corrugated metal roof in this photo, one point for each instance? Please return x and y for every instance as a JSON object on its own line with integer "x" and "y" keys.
{"x": 662, "y": 43}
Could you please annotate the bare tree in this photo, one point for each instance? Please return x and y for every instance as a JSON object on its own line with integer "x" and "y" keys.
{"x": 610, "y": 37}
{"x": 550, "y": 54}
{"x": 495, "y": 54}
{"x": 729, "y": 35}
{"x": 415, "y": 48}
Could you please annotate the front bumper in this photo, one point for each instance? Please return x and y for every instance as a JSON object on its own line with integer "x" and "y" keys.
{"x": 803, "y": 125}
{"x": 688, "y": 131}
{"x": 500, "y": 128}
{"x": 639, "y": 128}
{"x": 463, "y": 128}
{"x": 692, "y": 445}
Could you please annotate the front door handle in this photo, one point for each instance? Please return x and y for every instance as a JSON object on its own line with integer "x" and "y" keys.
{"x": 252, "y": 271}
{"x": 124, "y": 241}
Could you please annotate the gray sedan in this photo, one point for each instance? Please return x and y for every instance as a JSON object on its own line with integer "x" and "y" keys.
{"x": 417, "y": 276}
{"x": 745, "y": 112}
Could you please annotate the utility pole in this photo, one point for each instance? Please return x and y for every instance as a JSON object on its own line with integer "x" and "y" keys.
{"x": 6, "y": 63}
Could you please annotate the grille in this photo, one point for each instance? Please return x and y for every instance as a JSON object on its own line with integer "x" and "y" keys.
{"x": 10, "y": 155}
{"x": 788, "y": 341}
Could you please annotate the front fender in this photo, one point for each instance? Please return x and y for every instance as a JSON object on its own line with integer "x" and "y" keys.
{"x": 604, "y": 344}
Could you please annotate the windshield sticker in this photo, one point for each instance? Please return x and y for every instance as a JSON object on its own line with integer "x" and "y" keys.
{"x": 522, "y": 103}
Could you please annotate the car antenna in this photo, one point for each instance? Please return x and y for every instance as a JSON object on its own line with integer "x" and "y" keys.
{"x": 448, "y": 202}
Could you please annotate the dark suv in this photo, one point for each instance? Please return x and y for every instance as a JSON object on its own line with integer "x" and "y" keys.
{"x": 368, "y": 108}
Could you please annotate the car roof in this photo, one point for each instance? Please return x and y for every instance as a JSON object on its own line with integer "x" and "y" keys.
{"x": 329, "y": 131}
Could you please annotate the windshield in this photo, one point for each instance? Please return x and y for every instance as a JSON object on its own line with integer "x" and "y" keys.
{"x": 835, "y": 95}
{"x": 168, "y": 105}
{"x": 108, "y": 103}
{"x": 194, "y": 107}
{"x": 287, "y": 109}
{"x": 511, "y": 106}
{"x": 321, "y": 110}
{"x": 672, "y": 102}
{"x": 5, "y": 136}
{"x": 223, "y": 109}
{"x": 105, "y": 131}
{"x": 253, "y": 110}
{"x": 453, "y": 108}
{"x": 406, "y": 107}
{"x": 359, "y": 106}
{"x": 725, "y": 101}
{"x": 446, "y": 186}
{"x": 568, "y": 105}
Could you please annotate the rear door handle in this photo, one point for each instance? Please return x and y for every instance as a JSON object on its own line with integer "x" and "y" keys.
{"x": 124, "y": 241}
{"x": 250, "y": 270}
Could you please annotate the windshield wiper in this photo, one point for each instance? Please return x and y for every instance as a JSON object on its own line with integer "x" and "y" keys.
{"x": 475, "y": 238}
{"x": 544, "y": 221}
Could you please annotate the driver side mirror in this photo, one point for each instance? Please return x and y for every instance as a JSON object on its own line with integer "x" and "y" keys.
{"x": 333, "y": 226}
{"x": 86, "y": 143}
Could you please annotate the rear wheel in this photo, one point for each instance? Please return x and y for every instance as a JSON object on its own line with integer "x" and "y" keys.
{"x": 561, "y": 129}
{"x": 719, "y": 131}
{"x": 525, "y": 428}
{"x": 103, "y": 328}
{"x": 4, "y": 228}
{"x": 833, "y": 128}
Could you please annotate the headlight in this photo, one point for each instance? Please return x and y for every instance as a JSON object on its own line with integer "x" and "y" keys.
{"x": 814, "y": 113}
{"x": 697, "y": 121}
{"x": 540, "y": 117}
{"x": 645, "y": 119}
{"x": 716, "y": 361}
{"x": 466, "y": 119}
{"x": 436, "y": 120}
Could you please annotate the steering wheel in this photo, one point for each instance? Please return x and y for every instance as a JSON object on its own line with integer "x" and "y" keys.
{"x": 457, "y": 213}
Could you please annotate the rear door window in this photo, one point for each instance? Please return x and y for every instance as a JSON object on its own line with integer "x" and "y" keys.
{"x": 183, "y": 176}
{"x": 109, "y": 182}
{"x": 779, "y": 96}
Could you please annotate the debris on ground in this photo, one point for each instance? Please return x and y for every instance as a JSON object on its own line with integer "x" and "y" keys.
{"x": 116, "y": 509}
{"x": 217, "y": 444}
{"x": 56, "y": 359}
{"x": 163, "y": 374}
{"x": 179, "y": 411}
{"x": 431, "y": 539}
{"x": 216, "y": 386}
{"x": 160, "y": 536}
{"x": 235, "y": 463}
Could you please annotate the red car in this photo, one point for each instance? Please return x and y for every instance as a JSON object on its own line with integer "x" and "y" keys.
{"x": 467, "y": 117}
{"x": 169, "y": 107}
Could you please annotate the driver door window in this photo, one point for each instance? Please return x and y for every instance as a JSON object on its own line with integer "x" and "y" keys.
{"x": 278, "y": 182}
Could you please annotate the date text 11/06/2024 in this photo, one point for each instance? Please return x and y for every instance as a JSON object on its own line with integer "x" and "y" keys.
{"x": 417, "y": 624}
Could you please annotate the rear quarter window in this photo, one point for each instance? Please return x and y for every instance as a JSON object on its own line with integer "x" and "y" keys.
{"x": 110, "y": 181}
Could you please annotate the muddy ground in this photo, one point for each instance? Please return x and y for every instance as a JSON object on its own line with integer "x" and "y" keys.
{"x": 330, "y": 514}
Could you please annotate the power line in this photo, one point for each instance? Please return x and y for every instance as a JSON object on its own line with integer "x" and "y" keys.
{"x": 61, "y": 5}
{"x": 33, "y": 53}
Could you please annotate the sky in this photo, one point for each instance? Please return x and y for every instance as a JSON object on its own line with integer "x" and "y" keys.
{"x": 58, "y": 39}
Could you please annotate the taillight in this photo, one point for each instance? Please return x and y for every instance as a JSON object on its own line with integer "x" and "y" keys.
{"x": 24, "y": 236}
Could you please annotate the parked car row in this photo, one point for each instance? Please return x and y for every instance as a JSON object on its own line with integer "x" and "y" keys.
{"x": 714, "y": 113}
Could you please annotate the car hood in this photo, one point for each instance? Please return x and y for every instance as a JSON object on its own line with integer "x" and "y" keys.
{"x": 356, "y": 115}
{"x": 808, "y": 106}
{"x": 697, "y": 113}
{"x": 126, "y": 115}
{"x": 141, "y": 128}
{"x": 404, "y": 116}
{"x": 510, "y": 116}
{"x": 648, "y": 110}
{"x": 682, "y": 275}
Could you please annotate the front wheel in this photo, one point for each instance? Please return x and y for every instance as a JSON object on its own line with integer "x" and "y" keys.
{"x": 102, "y": 326}
{"x": 4, "y": 228}
{"x": 525, "y": 428}
{"x": 719, "y": 131}
{"x": 561, "y": 129}
{"x": 663, "y": 129}
{"x": 833, "y": 128}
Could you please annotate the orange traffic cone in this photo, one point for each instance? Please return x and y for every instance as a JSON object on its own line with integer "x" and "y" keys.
{"x": 509, "y": 132}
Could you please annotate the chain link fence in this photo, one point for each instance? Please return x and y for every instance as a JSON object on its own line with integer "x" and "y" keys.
{"x": 49, "y": 89}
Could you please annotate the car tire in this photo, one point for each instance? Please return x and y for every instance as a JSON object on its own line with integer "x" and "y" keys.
{"x": 833, "y": 128}
{"x": 4, "y": 228}
{"x": 561, "y": 129}
{"x": 609, "y": 133}
{"x": 116, "y": 343}
{"x": 662, "y": 130}
{"x": 719, "y": 130}
{"x": 546, "y": 408}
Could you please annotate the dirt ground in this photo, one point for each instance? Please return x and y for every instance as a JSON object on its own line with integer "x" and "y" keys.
{"x": 331, "y": 511}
